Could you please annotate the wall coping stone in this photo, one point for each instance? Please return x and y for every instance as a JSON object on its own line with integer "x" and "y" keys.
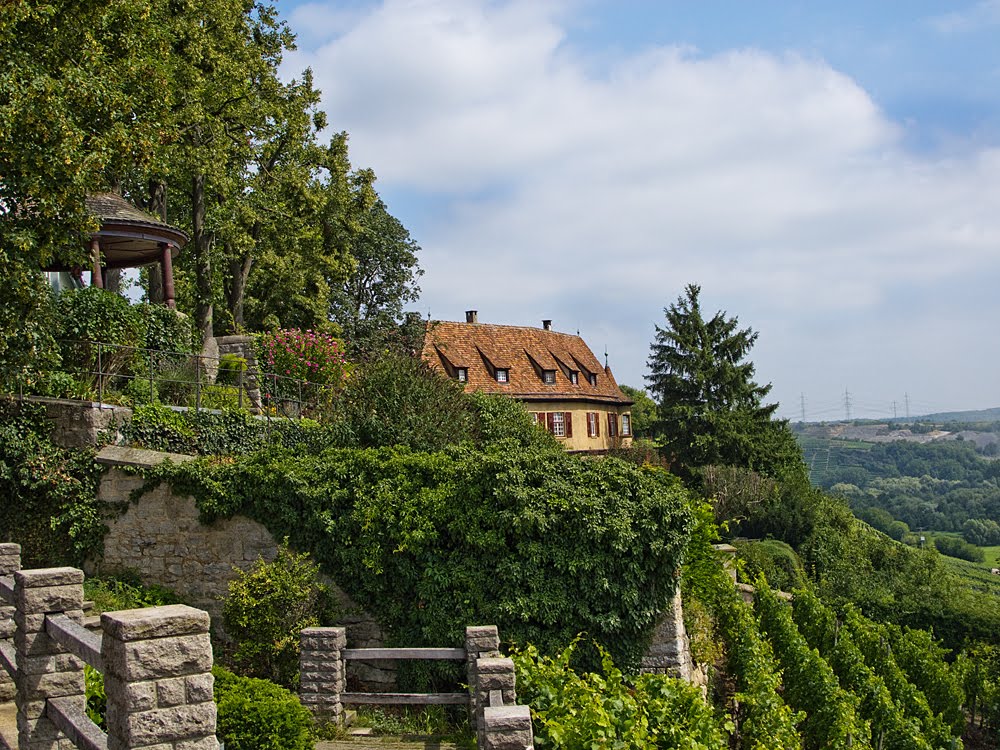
{"x": 157, "y": 622}
{"x": 45, "y": 577}
{"x": 117, "y": 455}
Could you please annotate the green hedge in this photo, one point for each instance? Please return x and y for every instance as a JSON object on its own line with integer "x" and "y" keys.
{"x": 259, "y": 715}
{"x": 539, "y": 542}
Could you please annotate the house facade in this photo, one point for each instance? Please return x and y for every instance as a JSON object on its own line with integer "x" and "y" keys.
{"x": 555, "y": 375}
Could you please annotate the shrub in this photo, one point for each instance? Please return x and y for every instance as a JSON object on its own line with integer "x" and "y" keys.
{"x": 266, "y": 608}
{"x": 94, "y": 315}
{"x": 256, "y": 714}
{"x": 230, "y": 368}
{"x": 49, "y": 493}
{"x": 295, "y": 355}
{"x": 399, "y": 400}
{"x": 500, "y": 419}
{"x": 775, "y": 560}
{"x": 577, "y": 710}
{"x": 955, "y": 547}
{"x": 541, "y": 543}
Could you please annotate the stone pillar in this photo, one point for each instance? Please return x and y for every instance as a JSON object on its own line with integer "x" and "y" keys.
{"x": 45, "y": 669}
{"x": 321, "y": 672}
{"x": 480, "y": 641}
{"x": 670, "y": 649}
{"x": 507, "y": 728}
{"x": 10, "y": 563}
{"x": 158, "y": 679}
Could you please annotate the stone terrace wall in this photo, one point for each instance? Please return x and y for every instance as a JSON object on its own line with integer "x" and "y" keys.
{"x": 80, "y": 424}
{"x": 161, "y": 537}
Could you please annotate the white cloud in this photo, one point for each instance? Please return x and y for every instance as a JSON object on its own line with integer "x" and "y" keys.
{"x": 593, "y": 197}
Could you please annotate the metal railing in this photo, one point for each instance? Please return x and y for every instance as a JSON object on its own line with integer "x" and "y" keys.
{"x": 185, "y": 379}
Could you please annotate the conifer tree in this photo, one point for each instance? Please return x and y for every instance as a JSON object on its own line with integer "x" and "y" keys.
{"x": 709, "y": 408}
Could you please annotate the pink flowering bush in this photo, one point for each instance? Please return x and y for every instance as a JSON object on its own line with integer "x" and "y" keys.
{"x": 294, "y": 356}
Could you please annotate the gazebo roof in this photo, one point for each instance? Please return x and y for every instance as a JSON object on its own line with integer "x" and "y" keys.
{"x": 129, "y": 237}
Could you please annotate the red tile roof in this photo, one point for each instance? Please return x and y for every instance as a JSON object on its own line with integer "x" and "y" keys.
{"x": 483, "y": 348}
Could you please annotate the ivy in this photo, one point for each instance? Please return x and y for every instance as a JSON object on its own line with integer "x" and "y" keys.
{"x": 50, "y": 502}
{"x": 541, "y": 543}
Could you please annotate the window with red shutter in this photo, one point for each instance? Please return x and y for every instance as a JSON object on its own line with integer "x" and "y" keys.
{"x": 591, "y": 424}
{"x": 550, "y": 422}
{"x": 612, "y": 424}
{"x": 568, "y": 416}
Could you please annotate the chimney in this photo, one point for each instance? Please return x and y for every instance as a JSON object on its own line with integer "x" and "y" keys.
{"x": 547, "y": 325}
{"x": 471, "y": 316}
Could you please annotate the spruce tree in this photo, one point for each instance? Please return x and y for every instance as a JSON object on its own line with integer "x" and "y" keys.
{"x": 709, "y": 408}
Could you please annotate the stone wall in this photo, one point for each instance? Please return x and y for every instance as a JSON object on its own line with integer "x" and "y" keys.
{"x": 161, "y": 538}
{"x": 670, "y": 650}
{"x": 78, "y": 424}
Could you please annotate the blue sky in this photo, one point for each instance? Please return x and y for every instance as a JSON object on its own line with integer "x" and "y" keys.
{"x": 829, "y": 173}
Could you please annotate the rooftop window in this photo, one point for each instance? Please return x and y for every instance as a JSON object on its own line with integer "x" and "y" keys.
{"x": 549, "y": 377}
{"x": 503, "y": 375}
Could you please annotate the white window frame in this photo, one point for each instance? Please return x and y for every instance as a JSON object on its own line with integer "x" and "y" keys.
{"x": 549, "y": 377}
{"x": 592, "y": 422}
{"x": 559, "y": 424}
{"x": 462, "y": 374}
{"x": 503, "y": 375}
{"x": 626, "y": 425}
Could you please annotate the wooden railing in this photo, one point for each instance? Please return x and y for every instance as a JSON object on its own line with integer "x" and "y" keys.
{"x": 500, "y": 723}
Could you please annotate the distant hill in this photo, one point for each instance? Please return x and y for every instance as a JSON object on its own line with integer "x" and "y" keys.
{"x": 980, "y": 415}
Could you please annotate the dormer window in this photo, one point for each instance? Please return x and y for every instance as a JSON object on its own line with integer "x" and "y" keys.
{"x": 503, "y": 375}
{"x": 574, "y": 377}
{"x": 592, "y": 377}
{"x": 462, "y": 374}
{"x": 549, "y": 377}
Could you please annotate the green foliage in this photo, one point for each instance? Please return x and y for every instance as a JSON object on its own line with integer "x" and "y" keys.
{"x": 710, "y": 410}
{"x": 231, "y": 368}
{"x": 541, "y": 543}
{"x": 978, "y": 668}
{"x": 764, "y": 720}
{"x": 91, "y": 315}
{"x": 125, "y": 591}
{"x": 266, "y": 609}
{"x": 396, "y": 399}
{"x": 230, "y": 432}
{"x": 255, "y": 714}
{"x": 955, "y": 547}
{"x": 775, "y": 560}
{"x": 643, "y": 411}
{"x": 369, "y": 302}
{"x": 50, "y": 502}
{"x": 97, "y": 699}
{"x": 581, "y": 710}
{"x": 984, "y": 532}
{"x": 501, "y": 420}
{"x": 294, "y": 356}
{"x": 810, "y": 685}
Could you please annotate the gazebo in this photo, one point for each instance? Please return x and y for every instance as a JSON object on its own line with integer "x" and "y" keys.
{"x": 129, "y": 238}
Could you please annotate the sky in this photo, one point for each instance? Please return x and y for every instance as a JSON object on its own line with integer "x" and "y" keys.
{"x": 829, "y": 173}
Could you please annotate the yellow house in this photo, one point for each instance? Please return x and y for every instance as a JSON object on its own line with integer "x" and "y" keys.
{"x": 555, "y": 375}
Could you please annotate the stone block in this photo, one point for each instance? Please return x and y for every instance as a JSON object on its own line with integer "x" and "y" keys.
{"x": 199, "y": 688}
{"x": 130, "y": 696}
{"x": 31, "y": 708}
{"x": 158, "y": 658}
{"x": 171, "y": 692}
{"x": 49, "y": 598}
{"x": 155, "y": 622}
{"x": 35, "y": 665}
{"x": 54, "y": 685}
{"x": 205, "y": 743}
{"x": 169, "y": 725}
{"x": 45, "y": 577}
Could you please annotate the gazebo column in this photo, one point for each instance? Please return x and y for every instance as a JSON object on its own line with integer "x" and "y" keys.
{"x": 167, "y": 268}
{"x": 97, "y": 276}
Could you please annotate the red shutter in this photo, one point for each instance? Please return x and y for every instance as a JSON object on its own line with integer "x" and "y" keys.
{"x": 597, "y": 424}
{"x": 590, "y": 426}
{"x": 550, "y": 421}
{"x": 568, "y": 417}
{"x": 612, "y": 425}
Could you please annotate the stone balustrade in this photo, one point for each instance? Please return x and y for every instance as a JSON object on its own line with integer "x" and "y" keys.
{"x": 156, "y": 662}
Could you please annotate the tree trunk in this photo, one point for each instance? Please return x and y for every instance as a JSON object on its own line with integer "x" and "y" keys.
{"x": 239, "y": 272}
{"x": 157, "y": 206}
{"x": 202, "y": 260}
